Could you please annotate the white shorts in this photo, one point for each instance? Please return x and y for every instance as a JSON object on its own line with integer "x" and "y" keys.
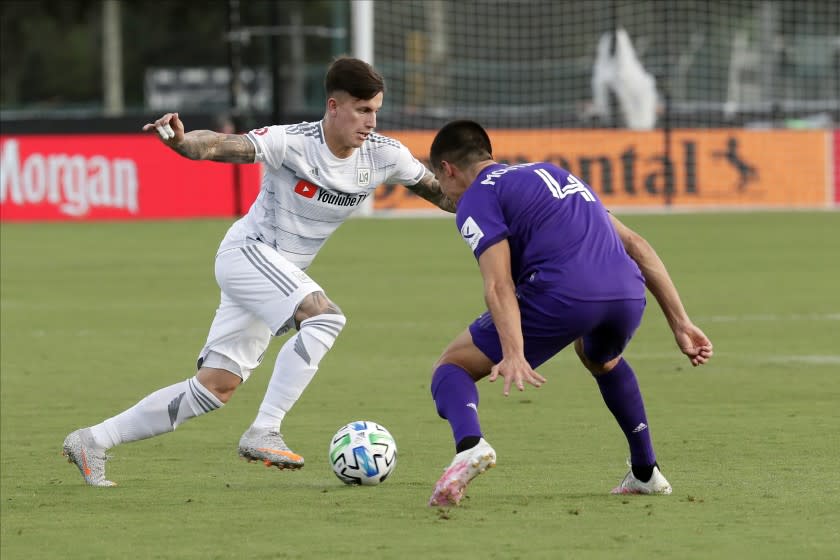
{"x": 261, "y": 291}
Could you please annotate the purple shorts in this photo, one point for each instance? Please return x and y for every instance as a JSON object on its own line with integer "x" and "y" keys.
{"x": 550, "y": 323}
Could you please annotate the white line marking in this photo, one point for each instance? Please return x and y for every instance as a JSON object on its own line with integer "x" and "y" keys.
{"x": 677, "y": 358}
{"x": 805, "y": 359}
{"x": 769, "y": 317}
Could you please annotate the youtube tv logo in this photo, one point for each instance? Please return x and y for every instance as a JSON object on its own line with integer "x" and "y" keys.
{"x": 305, "y": 189}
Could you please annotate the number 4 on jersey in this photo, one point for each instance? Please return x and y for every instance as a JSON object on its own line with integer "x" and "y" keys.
{"x": 573, "y": 186}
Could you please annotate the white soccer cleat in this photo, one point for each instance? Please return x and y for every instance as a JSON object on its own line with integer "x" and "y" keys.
{"x": 632, "y": 485}
{"x": 90, "y": 459}
{"x": 466, "y": 465}
{"x": 268, "y": 447}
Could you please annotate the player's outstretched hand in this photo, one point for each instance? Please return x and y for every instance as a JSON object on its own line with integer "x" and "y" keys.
{"x": 169, "y": 127}
{"x": 516, "y": 371}
{"x": 693, "y": 343}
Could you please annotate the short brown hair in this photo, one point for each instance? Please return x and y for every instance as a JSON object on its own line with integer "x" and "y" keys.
{"x": 354, "y": 76}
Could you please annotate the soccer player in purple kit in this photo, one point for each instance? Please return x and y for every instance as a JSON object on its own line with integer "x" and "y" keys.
{"x": 558, "y": 268}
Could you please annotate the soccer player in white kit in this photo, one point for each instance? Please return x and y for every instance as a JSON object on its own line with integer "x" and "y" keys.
{"x": 315, "y": 176}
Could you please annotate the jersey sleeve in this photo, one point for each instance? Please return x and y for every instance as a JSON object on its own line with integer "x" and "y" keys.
{"x": 270, "y": 143}
{"x": 408, "y": 169}
{"x": 480, "y": 219}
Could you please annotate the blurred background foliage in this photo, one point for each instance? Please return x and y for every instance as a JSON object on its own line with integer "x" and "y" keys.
{"x": 515, "y": 64}
{"x": 50, "y": 50}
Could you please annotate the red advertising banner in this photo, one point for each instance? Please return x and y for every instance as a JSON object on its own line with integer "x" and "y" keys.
{"x": 836, "y": 162}
{"x": 133, "y": 176}
{"x": 114, "y": 177}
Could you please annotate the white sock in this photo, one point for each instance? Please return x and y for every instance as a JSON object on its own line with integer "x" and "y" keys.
{"x": 159, "y": 413}
{"x": 296, "y": 365}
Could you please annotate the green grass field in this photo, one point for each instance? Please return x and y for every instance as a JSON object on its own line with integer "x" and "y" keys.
{"x": 95, "y": 316}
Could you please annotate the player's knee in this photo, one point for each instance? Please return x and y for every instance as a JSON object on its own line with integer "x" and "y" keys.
{"x": 443, "y": 359}
{"x": 323, "y": 328}
{"x": 449, "y": 358}
{"x": 220, "y": 382}
{"x": 314, "y": 304}
{"x": 477, "y": 367}
{"x": 320, "y": 317}
{"x": 602, "y": 369}
{"x": 594, "y": 368}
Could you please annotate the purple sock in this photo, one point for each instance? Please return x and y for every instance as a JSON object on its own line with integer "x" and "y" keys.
{"x": 620, "y": 390}
{"x": 456, "y": 398}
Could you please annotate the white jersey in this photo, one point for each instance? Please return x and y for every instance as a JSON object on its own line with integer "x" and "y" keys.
{"x": 307, "y": 192}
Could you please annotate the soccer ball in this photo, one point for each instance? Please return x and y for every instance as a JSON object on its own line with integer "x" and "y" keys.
{"x": 363, "y": 453}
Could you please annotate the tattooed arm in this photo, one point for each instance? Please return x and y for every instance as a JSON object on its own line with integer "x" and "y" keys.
{"x": 214, "y": 146}
{"x": 429, "y": 188}
{"x": 204, "y": 144}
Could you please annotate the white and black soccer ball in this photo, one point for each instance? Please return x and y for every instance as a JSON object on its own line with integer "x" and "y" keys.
{"x": 363, "y": 453}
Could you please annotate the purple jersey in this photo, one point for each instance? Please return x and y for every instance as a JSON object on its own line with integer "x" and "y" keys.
{"x": 560, "y": 235}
